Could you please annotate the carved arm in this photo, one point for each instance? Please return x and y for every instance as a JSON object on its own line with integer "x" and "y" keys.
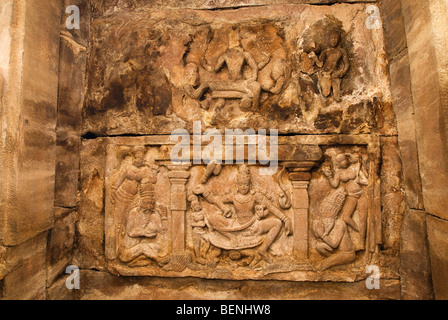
{"x": 277, "y": 212}
{"x": 211, "y": 198}
{"x": 334, "y": 237}
{"x": 253, "y": 66}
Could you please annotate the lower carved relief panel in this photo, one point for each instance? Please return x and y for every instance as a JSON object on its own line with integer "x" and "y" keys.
{"x": 318, "y": 217}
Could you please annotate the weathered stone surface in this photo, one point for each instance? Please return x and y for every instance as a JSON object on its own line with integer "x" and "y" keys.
{"x": 429, "y": 102}
{"x": 393, "y": 25}
{"x": 415, "y": 269}
{"x": 79, "y": 36}
{"x": 122, "y": 288}
{"x": 392, "y": 195}
{"x": 90, "y": 226}
{"x": 110, "y": 6}
{"x": 356, "y": 151}
{"x": 438, "y": 247}
{"x": 5, "y": 51}
{"x": 26, "y": 273}
{"x": 404, "y": 110}
{"x": 61, "y": 240}
{"x": 58, "y": 291}
{"x": 29, "y": 110}
{"x": 70, "y": 100}
{"x": 158, "y": 74}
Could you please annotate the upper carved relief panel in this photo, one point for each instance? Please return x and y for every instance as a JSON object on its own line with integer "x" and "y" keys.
{"x": 298, "y": 68}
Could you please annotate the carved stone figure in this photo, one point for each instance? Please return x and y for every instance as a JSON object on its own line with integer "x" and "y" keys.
{"x": 335, "y": 242}
{"x": 143, "y": 223}
{"x": 308, "y": 59}
{"x": 127, "y": 186}
{"x": 126, "y": 190}
{"x": 335, "y": 64}
{"x": 246, "y": 220}
{"x": 349, "y": 170}
{"x": 200, "y": 242}
{"x": 277, "y": 76}
{"x": 237, "y": 86}
{"x": 347, "y": 176}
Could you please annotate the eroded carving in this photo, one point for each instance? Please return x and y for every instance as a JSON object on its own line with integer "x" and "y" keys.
{"x": 334, "y": 62}
{"x": 328, "y": 61}
{"x": 242, "y": 82}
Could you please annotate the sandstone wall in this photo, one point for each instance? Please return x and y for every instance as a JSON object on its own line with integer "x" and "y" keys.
{"x": 86, "y": 112}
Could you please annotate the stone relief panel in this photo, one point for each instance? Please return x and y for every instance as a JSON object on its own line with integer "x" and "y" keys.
{"x": 340, "y": 217}
{"x": 298, "y": 68}
{"x": 317, "y": 218}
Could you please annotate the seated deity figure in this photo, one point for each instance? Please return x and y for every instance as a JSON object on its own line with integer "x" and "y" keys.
{"x": 143, "y": 223}
{"x": 246, "y": 221}
{"x": 237, "y": 86}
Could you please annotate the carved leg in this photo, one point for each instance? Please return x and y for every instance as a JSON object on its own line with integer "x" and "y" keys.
{"x": 337, "y": 259}
{"x": 325, "y": 83}
{"x": 347, "y": 211}
{"x": 336, "y": 84}
{"x": 272, "y": 227}
{"x": 214, "y": 256}
{"x": 324, "y": 249}
{"x": 127, "y": 255}
{"x": 197, "y": 244}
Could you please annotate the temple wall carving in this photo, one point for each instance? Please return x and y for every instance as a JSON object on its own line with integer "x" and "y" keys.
{"x": 243, "y": 149}
{"x": 296, "y": 68}
{"x": 316, "y": 74}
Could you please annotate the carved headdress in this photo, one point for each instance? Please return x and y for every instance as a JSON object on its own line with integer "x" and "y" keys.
{"x": 243, "y": 174}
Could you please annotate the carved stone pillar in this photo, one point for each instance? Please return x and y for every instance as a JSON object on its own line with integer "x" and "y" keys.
{"x": 178, "y": 176}
{"x": 300, "y": 179}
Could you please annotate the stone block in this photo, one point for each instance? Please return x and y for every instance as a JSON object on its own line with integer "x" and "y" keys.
{"x": 118, "y": 174}
{"x": 428, "y": 105}
{"x": 58, "y": 291}
{"x": 121, "y": 288}
{"x": 26, "y": 270}
{"x": 90, "y": 226}
{"x": 404, "y": 110}
{"x": 67, "y": 168}
{"x": 30, "y": 115}
{"x": 394, "y": 29}
{"x": 416, "y": 282}
{"x": 438, "y": 247}
{"x": 81, "y": 35}
{"x": 392, "y": 195}
{"x": 61, "y": 240}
